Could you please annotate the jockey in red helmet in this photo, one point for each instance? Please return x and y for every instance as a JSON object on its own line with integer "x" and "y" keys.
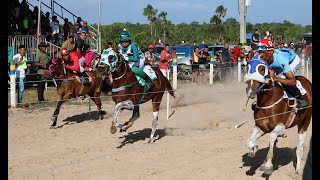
{"x": 71, "y": 59}
{"x": 285, "y": 63}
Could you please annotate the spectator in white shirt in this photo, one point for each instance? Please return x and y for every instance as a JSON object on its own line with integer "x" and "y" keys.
{"x": 55, "y": 29}
{"x": 21, "y": 62}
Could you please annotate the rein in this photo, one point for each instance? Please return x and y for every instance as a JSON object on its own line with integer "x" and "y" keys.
{"x": 284, "y": 96}
{"x": 125, "y": 71}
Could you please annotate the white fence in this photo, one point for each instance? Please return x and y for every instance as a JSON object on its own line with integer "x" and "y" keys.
{"x": 31, "y": 45}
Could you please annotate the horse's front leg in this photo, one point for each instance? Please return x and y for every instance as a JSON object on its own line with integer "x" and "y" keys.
{"x": 134, "y": 117}
{"x": 278, "y": 131}
{"x": 256, "y": 133}
{"x": 117, "y": 110}
{"x": 56, "y": 112}
{"x": 154, "y": 125}
{"x": 299, "y": 151}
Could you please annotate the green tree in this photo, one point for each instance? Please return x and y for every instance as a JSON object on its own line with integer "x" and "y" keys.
{"x": 163, "y": 19}
{"x": 150, "y": 13}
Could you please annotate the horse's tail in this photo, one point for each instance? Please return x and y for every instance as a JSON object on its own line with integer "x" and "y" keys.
{"x": 169, "y": 87}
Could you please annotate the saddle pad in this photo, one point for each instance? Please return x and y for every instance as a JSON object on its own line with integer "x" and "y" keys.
{"x": 142, "y": 82}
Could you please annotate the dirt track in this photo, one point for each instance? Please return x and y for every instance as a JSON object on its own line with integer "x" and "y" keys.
{"x": 199, "y": 141}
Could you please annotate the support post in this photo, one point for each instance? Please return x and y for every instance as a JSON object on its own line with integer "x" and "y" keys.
{"x": 13, "y": 85}
{"x": 307, "y": 63}
{"x": 239, "y": 69}
{"x": 211, "y": 69}
{"x": 243, "y": 12}
{"x": 174, "y": 73}
{"x": 168, "y": 95}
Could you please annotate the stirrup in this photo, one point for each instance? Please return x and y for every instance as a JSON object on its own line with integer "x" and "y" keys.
{"x": 302, "y": 103}
{"x": 148, "y": 85}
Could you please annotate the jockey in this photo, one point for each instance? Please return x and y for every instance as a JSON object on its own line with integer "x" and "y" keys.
{"x": 133, "y": 54}
{"x": 71, "y": 60}
{"x": 284, "y": 61}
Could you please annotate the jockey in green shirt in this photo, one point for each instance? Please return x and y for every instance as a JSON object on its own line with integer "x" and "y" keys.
{"x": 133, "y": 54}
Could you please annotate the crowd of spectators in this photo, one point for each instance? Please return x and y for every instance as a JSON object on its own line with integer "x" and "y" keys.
{"x": 24, "y": 21}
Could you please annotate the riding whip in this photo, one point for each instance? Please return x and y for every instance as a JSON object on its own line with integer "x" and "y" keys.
{"x": 245, "y": 107}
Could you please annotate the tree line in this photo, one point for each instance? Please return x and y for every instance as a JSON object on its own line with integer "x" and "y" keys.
{"x": 217, "y": 31}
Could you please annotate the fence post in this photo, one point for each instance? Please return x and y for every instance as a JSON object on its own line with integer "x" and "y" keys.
{"x": 211, "y": 70}
{"x": 13, "y": 85}
{"x": 302, "y": 65}
{"x": 89, "y": 106}
{"x": 239, "y": 70}
{"x": 307, "y": 62}
{"x": 168, "y": 76}
{"x": 174, "y": 74}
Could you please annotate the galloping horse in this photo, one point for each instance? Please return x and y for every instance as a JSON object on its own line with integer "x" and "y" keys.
{"x": 275, "y": 110}
{"x": 128, "y": 94}
{"x": 69, "y": 87}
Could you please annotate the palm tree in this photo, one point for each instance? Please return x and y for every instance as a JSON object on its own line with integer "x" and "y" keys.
{"x": 150, "y": 13}
{"x": 163, "y": 18}
{"x": 216, "y": 19}
{"x": 221, "y": 11}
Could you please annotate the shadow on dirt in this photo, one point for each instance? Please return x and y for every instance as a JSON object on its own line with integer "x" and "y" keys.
{"x": 141, "y": 135}
{"x": 281, "y": 157}
{"x": 79, "y": 118}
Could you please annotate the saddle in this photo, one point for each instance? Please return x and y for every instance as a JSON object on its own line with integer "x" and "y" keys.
{"x": 84, "y": 78}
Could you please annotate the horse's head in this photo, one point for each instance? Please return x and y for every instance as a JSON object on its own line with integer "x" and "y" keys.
{"x": 111, "y": 58}
{"x": 257, "y": 76}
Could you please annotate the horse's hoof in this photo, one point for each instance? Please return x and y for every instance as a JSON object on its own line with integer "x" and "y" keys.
{"x": 150, "y": 141}
{"x": 262, "y": 167}
{"x": 52, "y": 127}
{"x": 268, "y": 170}
{"x": 113, "y": 129}
{"x": 54, "y": 118}
{"x": 126, "y": 126}
{"x": 251, "y": 154}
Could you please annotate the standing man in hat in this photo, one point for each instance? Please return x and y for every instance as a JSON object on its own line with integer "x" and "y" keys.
{"x": 42, "y": 59}
{"x": 86, "y": 29}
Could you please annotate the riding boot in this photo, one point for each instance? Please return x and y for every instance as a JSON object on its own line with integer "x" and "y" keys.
{"x": 149, "y": 82}
{"x": 85, "y": 78}
{"x": 300, "y": 98}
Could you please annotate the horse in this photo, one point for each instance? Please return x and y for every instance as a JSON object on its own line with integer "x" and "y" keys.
{"x": 128, "y": 94}
{"x": 69, "y": 87}
{"x": 275, "y": 110}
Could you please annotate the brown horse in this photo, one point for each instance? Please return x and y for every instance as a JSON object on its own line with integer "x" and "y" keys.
{"x": 275, "y": 111}
{"x": 128, "y": 94}
{"x": 69, "y": 87}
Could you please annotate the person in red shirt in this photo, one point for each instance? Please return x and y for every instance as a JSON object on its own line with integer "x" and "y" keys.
{"x": 174, "y": 52}
{"x": 308, "y": 51}
{"x": 164, "y": 60}
{"x": 71, "y": 60}
{"x": 236, "y": 52}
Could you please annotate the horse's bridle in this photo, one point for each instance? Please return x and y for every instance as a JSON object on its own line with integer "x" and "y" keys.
{"x": 119, "y": 63}
{"x": 261, "y": 89}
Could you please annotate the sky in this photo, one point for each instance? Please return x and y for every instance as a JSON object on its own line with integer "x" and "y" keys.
{"x": 186, "y": 11}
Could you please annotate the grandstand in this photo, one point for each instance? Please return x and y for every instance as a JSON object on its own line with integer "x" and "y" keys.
{"x": 23, "y": 24}
{"x": 23, "y": 28}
